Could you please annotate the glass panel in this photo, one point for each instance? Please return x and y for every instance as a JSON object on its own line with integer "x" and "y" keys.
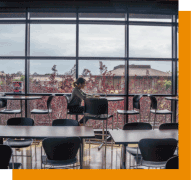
{"x": 150, "y": 17}
{"x": 102, "y": 16}
{"x": 150, "y": 41}
{"x": 12, "y": 39}
{"x": 52, "y": 76}
{"x": 12, "y": 16}
{"x": 150, "y": 77}
{"x": 103, "y": 76}
{"x": 11, "y": 70}
{"x": 53, "y": 40}
{"x": 52, "y": 16}
{"x": 102, "y": 40}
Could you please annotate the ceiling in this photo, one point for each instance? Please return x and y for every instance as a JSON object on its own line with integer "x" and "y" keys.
{"x": 140, "y": 6}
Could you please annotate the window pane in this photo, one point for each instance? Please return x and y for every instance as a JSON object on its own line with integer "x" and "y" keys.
{"x": 102, "y": 16}
{"x": 150, "y": 41}
{"x": 12, "y": 16}
{"x": 53, "y": 40}
{"x": 150, "y": 77}
{"x": 103, "y": 76}
{"x": 52, "y": 16}
{"x": 102, "y": 40}
{"x": 150, "y": 17}
{"x": 11, "y": 70}
{"x": 12, "y": 39}
{"x": 47, "y": 78}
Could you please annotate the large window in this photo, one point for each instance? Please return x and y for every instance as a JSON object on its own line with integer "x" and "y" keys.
{"x": 119, "y": 54}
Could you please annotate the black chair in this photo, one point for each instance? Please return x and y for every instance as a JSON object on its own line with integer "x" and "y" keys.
{"x": 20, "y": 143}
{"x": 60, "y": 151}
{"x": 3, "y": 104}
{"x": 167, "y": 126}
{"x": 136, "y": 105}
{"x": 68, "y": 112}
{"x": 64, "y": 122}
{"x": 156, "y": 152}
{"x": 134, "y": 151}
{"x": 44, "y": 111}
{"x": 172, "y": 163}
{"x": 97, "y": 109}
{"x": 153, "y": 109}
{"x": 170, "y": 126}
{"x": 5, "y": 153}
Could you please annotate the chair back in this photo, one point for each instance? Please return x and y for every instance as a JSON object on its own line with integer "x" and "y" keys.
{"x": 5, "y": 152}
{"x": 64, "y": 122}
{"x": 172, "y": 163}
{"x": 61, "y": 148}
{"x": 20, "y": 121}
{"x": 49, "y": 101}
{"x": 157, "y": 149}
{"x": 96, "y": 106}
{"x": 3, "y": 102}
{"x": 168, "y": 126}
{"x": 153, "y": 102}
{"x": 67, "y": 99}
{"x": 137, "y": 126}
{"x": 136, "y": 101}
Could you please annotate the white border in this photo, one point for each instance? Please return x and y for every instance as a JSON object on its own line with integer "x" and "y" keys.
{"x": 184, "y": 5}
{"x": 6, "y": 174}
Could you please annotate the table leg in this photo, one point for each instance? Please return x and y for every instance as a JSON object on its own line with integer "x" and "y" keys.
{"x": 81, "y": 153}
{"x": 21, "y": 107}
{"x": 124, "y": 157}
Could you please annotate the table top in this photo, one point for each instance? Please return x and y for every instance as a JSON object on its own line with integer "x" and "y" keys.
{"x": 113, "y": 98}
{"x": 134, "y": 136}
{"x": 172, "y": 98}
{"x": 45, "y": 131}
{"x": 17, "y": 97}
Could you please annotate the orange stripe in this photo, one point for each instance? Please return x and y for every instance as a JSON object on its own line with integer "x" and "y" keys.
{"x": 184, "y": 130}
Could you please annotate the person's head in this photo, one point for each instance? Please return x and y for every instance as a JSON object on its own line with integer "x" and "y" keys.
{"x": 80, "y": 83}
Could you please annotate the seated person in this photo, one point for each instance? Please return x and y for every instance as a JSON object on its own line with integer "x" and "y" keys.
{"x": 78, "y": 95}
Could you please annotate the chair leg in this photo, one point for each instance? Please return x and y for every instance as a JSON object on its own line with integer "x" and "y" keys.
{"x": 34, "y": 119}
{"x": 49, "y": 118}
{"x": 112, "y": 121}
{"x": 149, "y": 117}
{"x": 13, "y": 162}
{"x": 117, "y": 121}
{"x": 154, "y": 120}
{"x": 103, "y": 132}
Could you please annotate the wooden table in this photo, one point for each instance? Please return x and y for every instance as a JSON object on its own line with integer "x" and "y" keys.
{"x": 48, "y": 132}
{"x": 18, "y": 97}
{"x": 126, "y": 137}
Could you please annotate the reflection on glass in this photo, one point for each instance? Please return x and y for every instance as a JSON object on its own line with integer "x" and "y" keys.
{"x": 150, "y": 17}
{"x": 53, "y": 40}
{"x": 12, "y": 39}
{"x": 102, "y": 16}
{"x": 105, "y": 77}
{"x": 11, "y": 70}
{"x": 102, "y": 40}
{"x": 150, "y": 77}
{"x": 12, "y": 16}
{"x": 150, "y": 41}
{"x": 52, "y": 16}
{"x": 52, "y": 76}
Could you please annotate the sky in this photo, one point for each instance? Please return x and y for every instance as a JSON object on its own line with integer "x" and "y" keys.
{"x": 94, "y": 41}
